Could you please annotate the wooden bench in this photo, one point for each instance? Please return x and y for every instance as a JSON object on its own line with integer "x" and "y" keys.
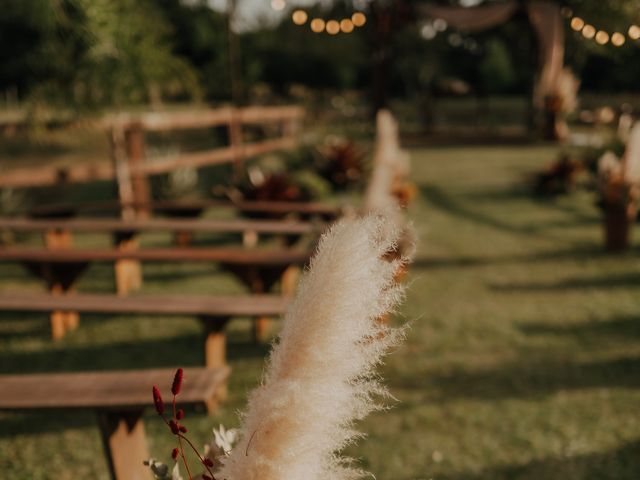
{"x": 115, "y": 225}
{"x": 258, "y": 270}
{"x": 213, "y": 311}
{"x": 119, "y": 400}
{"x": 193, "y": 208}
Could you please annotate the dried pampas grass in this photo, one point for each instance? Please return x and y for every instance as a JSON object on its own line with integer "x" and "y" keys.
{"x": 320, "y": 376}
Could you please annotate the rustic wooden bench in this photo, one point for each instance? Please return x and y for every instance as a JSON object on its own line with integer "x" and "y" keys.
{"x": 258, "y": 270}
{"x": 214, "y": 312}
{"x": 193, "y": 208}
{"x": 115, "y": 225}
{"x": 119, "y": 400}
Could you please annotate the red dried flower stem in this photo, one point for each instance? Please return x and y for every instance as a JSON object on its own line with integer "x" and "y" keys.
{"x": 177, "y": 382}
{"x": 197, "y": 453}
{"x": 184, "y": 458}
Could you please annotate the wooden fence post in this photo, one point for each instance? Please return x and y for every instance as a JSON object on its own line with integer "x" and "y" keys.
{"x": 134, "y": 139}
{"x": 124, "y": 147}
{"x": 235, "y": 142}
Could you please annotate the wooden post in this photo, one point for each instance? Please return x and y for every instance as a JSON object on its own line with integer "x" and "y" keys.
{"x": 125, "y": 444}
{"x": 250, "y": 238}
{"x": 128, "y": 273}
{"x": 127, "y": 151}
{"x": 215, "y": 346}
{"x": 60, "y": 321}
{"x": 134, "y": 139}
{"x": 289, "y": 280}
{"x": 235, "y": 142}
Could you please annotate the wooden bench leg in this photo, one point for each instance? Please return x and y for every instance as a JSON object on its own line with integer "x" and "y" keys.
{"x": 261, "y": 327}
{"x": 61, "y": 279}
{"x": 125, "y": 444}
{"x": 250, "y": 239}
{"x": 289, "y": 280}
{"x": 128, "y": 273}
{"x": 215, "y": 346}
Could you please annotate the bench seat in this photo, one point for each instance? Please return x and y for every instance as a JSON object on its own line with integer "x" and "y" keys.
{"x": 232, "y": 256}
{"x": 119, "y": 399}
{"x": 213, "y": 311}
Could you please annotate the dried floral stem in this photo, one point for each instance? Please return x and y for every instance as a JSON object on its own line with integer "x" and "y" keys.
{"x": 321, "y": 378}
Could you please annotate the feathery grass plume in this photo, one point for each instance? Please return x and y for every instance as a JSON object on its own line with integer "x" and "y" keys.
{"x": 391, "y": 165}
{"x": 320, "y": 376}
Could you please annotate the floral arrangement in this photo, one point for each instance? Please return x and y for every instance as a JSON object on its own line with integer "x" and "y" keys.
{"x": 341, "y": 162}
{"x": 566, "y": 92}
{"x": 559, "y": 177}
{"x": 616, "y": 192}
{"x": 320, "y": 377}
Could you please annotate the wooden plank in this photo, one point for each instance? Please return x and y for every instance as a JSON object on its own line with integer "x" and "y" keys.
{"x": 210, "y": 118}
{"x": 226, "y": 255}
{"x": 43, "y": 176}
{"x": 215, "y": 157}
{"x": 262, "y": 206}
{"x": 156, "y": 224}
{"x": 124, "y": 390}
{"x": 213, "y": 306}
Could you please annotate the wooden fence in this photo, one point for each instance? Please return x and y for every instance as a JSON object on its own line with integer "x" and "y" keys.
{"x": 128, "y": 164}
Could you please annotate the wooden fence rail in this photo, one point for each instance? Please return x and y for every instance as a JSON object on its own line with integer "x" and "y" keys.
{"x": 128, "y": 162}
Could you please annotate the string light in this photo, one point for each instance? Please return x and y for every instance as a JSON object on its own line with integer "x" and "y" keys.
{"x": 617, "y": 39}
{"x": 589, "y": 31}
{"x": 278, "y": 4}
{"x": 317, "y": 25}
{"x": 440, "y": 24}
{"x": 332, "y": 27}
{"x": 577, "y": 23}
{"x": 358, "y": 19}
{"x": 602, "y": 37}
{"x": 299, "y": 17}
{"x": 346, "y": 25}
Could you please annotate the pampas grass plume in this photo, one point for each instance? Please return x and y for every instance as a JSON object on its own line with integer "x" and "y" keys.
{"x": 320, "y": 376}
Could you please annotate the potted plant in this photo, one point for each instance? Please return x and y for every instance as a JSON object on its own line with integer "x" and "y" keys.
{"x": 618, "y": 198}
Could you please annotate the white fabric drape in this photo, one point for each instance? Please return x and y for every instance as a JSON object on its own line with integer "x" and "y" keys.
{"x": 547, "y": 22}
{"x": 545, "y": 18}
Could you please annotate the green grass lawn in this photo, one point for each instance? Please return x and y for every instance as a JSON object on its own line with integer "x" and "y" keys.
{"x": 522, "y": 361}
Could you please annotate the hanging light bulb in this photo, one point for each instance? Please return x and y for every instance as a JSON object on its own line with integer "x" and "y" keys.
{"x": 278, "y": 4}
{"x": 588, "y": 31}
{"x": 602, "y": 37}
{"x": 577, "y": 23}
{"x": 317, "y": 25}
{"x": 299, "y": 17}
{"x": 346, "y": 25}
{"x": 332, "y": 27}
{"x": 634, "y": 32}
{"x": 358, "y": 19}
{"x": 617, "y": 39}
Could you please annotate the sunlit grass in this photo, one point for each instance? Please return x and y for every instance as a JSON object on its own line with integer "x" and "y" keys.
{"x": 522, "y": 362}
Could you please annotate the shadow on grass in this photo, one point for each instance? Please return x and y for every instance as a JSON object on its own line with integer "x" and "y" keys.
{"x": 622, "y": 463}
{"x": 576, "y": 253}
{"x": 34, "y": 423}
{"x": 530, "y": 378}
{"x": 449, "y": 204}
{"x": 625, "y": 328}
{"x": 184, "y": 350}
{"x": 609, "y": 281}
